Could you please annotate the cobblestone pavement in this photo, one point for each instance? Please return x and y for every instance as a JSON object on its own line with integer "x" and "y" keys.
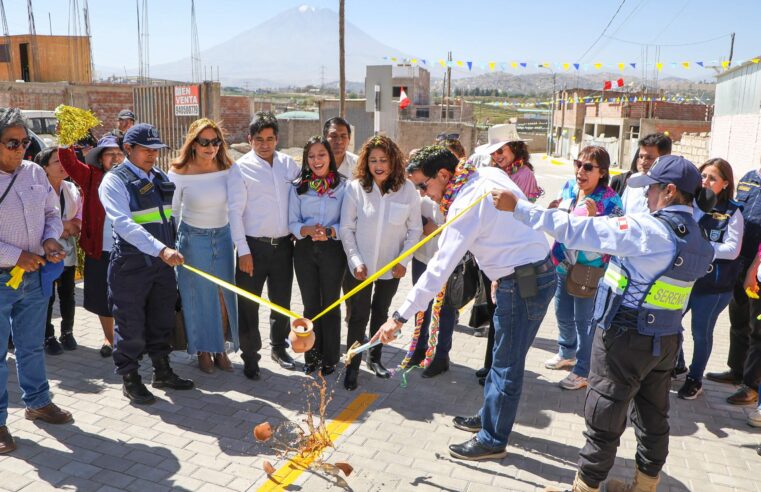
{"x": 201, "y": 439}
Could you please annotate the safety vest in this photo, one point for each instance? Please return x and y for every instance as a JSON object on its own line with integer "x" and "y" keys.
{"x": 749, "y": 196}
{"x": 150, "y": 203}
{"x": 722, "y": 274}
{"x": 655, "y": 309}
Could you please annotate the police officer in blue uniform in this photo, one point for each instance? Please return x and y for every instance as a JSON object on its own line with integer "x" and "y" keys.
{"x": 638, "y": 313}
{"x": 141, "y": 282}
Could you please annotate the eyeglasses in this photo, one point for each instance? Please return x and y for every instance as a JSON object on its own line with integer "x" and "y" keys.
{"x": 205, "y": 142}
{"x": 588, "y": 166}
{"x": 14, "y": 144}
{"x": 424, "y": 185}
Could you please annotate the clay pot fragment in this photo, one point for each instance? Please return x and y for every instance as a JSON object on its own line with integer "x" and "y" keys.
{"x": 263, "y": 431}
{"x": 302, "y": 335}
{"x": 268, "y": 468}
{"x": 345, "y": 467}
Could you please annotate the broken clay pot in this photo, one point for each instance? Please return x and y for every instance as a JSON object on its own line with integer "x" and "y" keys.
{"x": 302, "y": 335}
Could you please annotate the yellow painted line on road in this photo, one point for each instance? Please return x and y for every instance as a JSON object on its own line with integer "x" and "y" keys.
{"x": 289, "y": 472}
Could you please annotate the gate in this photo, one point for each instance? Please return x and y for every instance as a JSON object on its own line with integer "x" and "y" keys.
{"x": 172, "y": 108}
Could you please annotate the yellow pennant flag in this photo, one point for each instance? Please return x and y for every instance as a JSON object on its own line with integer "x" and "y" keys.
{"x": 755, "y": 60}
{"x": 621, "y": 66}
{"x": 659, "y": 66}
{"x": 442, "y": 63}
{"x": 597, "y": 66}
{"x": 459, "y": 63}
{"x": 725, "y": 64}
{"x": 686, "y": 64}
{"x": 491, "y": 66}
{"x": 566, "y": 66}
{"x": 514, "y": 64}
{"x": 414, "y": 61}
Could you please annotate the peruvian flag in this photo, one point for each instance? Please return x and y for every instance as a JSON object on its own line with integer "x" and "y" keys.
{"x": 404, "y": 101}
{"x": 620, "y": 82}
{"x": 607, "y": 85}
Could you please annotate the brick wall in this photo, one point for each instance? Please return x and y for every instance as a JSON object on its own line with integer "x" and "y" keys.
{"x": 693, "y": 146}
{"x": 737, "y": 138}
{"x": 295, "y": 133}
{"x": 236, "y": 116}
{"x": 416, "y": 134}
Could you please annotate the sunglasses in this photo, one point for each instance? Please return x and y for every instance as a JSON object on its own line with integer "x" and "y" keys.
{"x": 205, "y": 142}
{"x": 588, "y": 166}
{"x": 499, "y": 151}
{"x": 14, "y": 144}
{"x": 424, "y": 185}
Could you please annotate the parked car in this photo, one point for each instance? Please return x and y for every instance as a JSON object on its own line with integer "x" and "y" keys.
{"x": 42, "y": 123}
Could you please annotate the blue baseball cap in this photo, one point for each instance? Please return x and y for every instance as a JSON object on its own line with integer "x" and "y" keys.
{"x": 670, "y": 169}
{"x": 144, "y": 135}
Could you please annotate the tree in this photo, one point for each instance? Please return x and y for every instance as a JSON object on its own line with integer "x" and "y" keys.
{"x": 341, "y": 62}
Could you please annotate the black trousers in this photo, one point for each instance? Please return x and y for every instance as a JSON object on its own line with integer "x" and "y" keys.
{"x": 142, "y": 292}
{"x": 369, "y": 304}
{"x": 66, "y": 302}
{"x": 624, "y": 373}
{"x": 274, "y": 265}
{"x": 320, "y": 267}
{"x": 744, "y": 359}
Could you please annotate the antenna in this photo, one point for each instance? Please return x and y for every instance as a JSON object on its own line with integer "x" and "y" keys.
{"x": 73, "y": 33}
{"x": 195, "y": 50}
{"x": 146, "y": 42}
{"x": 141, "y": 74}
{"x": 88, "y": 33}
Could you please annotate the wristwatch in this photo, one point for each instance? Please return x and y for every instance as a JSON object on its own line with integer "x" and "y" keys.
{"x": 398, "y": 317}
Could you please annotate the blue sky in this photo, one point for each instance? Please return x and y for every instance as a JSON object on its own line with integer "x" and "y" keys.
{"x": 484, "y": 30}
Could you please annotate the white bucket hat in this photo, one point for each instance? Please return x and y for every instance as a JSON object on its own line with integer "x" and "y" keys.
{"x": 499, "y": 135}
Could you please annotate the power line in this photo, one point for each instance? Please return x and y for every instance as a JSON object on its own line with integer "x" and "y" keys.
{"x": 704, "y": 41}
{"x": 603, "y": 31}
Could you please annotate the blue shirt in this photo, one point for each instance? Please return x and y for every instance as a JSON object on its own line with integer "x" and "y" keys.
{"x": 310, "y": 209}
{"x": 643, "y": 242}
{"x": 115, "y": 199}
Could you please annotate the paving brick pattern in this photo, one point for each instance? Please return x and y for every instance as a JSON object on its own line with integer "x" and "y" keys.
{"x": 201, "y": 439}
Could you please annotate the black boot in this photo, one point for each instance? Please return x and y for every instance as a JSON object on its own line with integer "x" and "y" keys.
{"x": 283, "y": 358}
{"x": 437, "y": 367}
{"x": 134, "y": 389}
{"x": 67, "y": 341}
{"x": 375, "y": 365}
{"x": 164, "y": 376}
{"x": 350, "y": 378}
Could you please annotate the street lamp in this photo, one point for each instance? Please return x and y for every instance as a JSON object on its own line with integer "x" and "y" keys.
{"x": 550, "y": 118}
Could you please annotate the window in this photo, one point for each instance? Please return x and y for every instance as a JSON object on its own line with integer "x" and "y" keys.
{"x": 396, "y": 91}
{"x": 5, "y": 53}
{"x": 421, "y": 113}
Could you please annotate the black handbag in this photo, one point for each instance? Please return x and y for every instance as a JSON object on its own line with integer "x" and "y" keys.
{"x": 462, "y": 285}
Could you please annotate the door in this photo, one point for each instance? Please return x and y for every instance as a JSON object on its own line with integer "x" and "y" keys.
{"x": 24, "y": 58}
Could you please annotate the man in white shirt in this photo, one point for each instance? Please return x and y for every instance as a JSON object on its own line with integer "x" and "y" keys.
{"x": 258, "y": 205}
{"x": 650, "y": 148}
{"x": 516, "y": 259}
{"x": 337, "y": 132}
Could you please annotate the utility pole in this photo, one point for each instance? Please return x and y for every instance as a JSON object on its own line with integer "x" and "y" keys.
{"x": 731, "y": 50}
{"x": 322, "y": 77}
{"x": 195, "y": 50}
{"x": 88, "y": 33}
{"x": 341, "y": 62}
{"x": 33, "y": 35}
{"x": 449, "y": 86}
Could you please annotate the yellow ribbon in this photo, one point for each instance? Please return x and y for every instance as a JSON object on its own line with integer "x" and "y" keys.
{"x": 243, "y": 293}
{"x": 375, "y": 276}
{"x": 372, "y": 278}
{"x": 17, "y": 275}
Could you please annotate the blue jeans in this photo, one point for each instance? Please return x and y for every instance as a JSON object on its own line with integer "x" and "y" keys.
{"x": 574, "y": 316}
{"x": 706, "y": 309}
{"x": 516, "y": 322}
{"x": 23, "y": 312}
{"x": 211, "y": 251}
{"x": 447, "y": 321}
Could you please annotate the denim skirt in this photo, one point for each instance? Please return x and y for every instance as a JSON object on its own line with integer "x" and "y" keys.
{"x": 211, "y": 251}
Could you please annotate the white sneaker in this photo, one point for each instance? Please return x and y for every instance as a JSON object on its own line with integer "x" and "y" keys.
{"x": 754, "y": 419}
{"x": 557, "y": 362}
{"x": 573, "y": 382}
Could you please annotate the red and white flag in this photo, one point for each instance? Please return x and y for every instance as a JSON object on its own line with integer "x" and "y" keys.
{"x": 404, "y": 101}
{"x": 620, "y": 82}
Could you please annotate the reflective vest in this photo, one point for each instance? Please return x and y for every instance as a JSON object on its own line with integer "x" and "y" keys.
{"x": 749, "y": 196}
{"x": 655, "y": 309}
{"x": 150, "y": 203}
{"x": 722, "y": 274}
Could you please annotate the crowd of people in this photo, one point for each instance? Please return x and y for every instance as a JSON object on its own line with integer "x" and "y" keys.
{"x": 625, "y": 265}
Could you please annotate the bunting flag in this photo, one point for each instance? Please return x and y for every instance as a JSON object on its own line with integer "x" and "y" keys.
{"x": 566, "y": 65}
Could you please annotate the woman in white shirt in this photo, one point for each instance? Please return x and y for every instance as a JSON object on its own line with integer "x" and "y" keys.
{"x": 199, "y": 207}
{"x": 314, "y": 214}
{"x": 380, "y": 218}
